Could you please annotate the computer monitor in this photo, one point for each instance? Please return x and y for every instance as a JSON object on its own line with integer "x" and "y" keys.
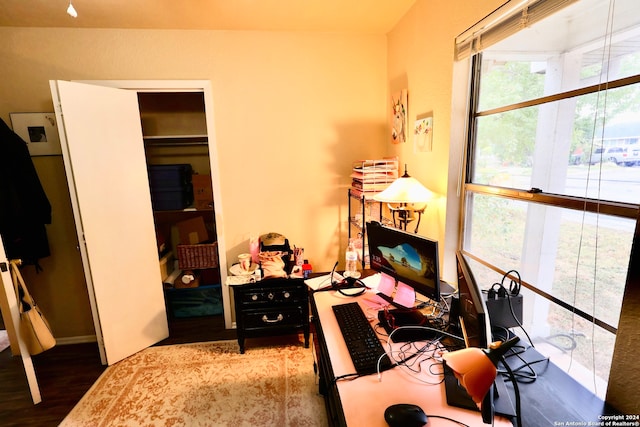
{"x": 473, "y": 316}
{"x": 473, "y": 320}
{"x": 409, "y": 258}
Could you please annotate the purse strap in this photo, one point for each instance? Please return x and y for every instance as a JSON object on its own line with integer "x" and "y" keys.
{"x": 18, "y": 283}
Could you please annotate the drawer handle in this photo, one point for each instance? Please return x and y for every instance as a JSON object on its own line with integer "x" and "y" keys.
{"x": 280, "y": 318}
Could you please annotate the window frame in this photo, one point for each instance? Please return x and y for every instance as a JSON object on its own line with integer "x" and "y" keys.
{"x": 533, "y": 195}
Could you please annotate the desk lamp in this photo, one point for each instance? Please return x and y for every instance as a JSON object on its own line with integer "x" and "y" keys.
{"x": 408, "y": 196}
{"x": 476, "y": 370}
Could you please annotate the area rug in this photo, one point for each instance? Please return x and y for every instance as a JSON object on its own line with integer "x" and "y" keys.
{"x": 205, "y": 384}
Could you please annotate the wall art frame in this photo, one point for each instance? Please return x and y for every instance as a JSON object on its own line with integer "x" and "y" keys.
{"x": 39, "y": 131}
{"x": 423, "y": 133}
{"x": 399, "y": 107}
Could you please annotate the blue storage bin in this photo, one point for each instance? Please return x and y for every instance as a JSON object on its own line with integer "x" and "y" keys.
{"x": 170, "y": 176}
{"x": 166, "y": 199}
{"x": 194, "y": 302}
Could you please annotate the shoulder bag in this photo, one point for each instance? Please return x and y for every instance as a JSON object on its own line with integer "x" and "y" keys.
{"x": 34, "y": 328}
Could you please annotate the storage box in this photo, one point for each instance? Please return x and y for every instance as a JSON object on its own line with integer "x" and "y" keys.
{"x": 170, "y": 176}
{"x": 204, "y": 255}
{"x": 166, "y": 265}
{"x": 171, "y": 198}
{"x": 194, "y": 302}
{"x": 190, "y": 231}
{"x": 202, "y": 191}
{"x": 171, "y": 187}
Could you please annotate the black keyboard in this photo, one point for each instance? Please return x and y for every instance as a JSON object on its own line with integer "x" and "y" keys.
{"x": 362, "y": 342}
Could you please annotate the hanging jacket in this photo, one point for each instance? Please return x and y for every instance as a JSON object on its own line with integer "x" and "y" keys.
{"x": 24, "y": 207}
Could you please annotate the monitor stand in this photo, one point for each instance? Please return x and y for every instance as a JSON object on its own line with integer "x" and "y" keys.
{"x": 457, "y": 396}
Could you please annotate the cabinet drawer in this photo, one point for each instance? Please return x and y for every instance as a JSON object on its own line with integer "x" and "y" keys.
{"x": 283, "y": 317}
{"x": 272, "y": 295}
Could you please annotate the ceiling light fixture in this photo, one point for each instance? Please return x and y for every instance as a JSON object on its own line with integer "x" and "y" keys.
{"x": 72, "y": 10}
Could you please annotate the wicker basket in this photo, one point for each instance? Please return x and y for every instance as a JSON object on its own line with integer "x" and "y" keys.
{"x": 193, "y": 257}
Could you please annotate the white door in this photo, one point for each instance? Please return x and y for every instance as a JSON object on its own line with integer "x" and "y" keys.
{"x": 103, "y": 151}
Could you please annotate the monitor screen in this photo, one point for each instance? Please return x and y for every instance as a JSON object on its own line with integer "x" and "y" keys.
{"x": 473, "y": 316}
{"x": 407, "y": 257}
{"x": 475, "y": 327}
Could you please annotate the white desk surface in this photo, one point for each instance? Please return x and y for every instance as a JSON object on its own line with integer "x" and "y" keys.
{"x": 365, "y": 399}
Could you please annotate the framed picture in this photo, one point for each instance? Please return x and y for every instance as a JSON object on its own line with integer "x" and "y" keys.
{"x": 399, "y": 117}
{"x": 39, "y": 131}
{"x": 423, "y": 133}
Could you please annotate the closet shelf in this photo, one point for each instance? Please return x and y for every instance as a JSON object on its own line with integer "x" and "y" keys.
{"x": 175, "y": 140}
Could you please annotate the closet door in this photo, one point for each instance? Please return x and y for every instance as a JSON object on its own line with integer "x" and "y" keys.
{"x": 104, "y": 158}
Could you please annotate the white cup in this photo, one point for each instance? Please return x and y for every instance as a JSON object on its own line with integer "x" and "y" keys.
{"x": 245, "y": 262}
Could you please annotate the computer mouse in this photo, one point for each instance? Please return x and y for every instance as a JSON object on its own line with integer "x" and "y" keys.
{"x": 405, "y": 415}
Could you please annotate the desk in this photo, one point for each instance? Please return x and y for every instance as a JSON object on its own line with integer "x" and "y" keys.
{"x": 362, "y": 401}
{"x": 553, "y": 398}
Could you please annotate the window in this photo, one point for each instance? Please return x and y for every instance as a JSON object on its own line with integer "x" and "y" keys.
{"x": 552, "y": 180}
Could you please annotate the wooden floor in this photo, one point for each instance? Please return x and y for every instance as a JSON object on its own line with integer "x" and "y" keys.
{"x": 66, "y": 372}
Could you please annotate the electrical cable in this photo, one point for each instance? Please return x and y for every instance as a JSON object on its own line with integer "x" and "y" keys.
{"x": 514, "y": 287}
{"x": 421, "y": 351}
{"x": 448, "y": 419}
{"x": 350, "y": 377}
{"x": 350, "y": 282}
{"x": 524, "y": 377}
{"x": 605, "y": 59}
{"x": 426, "y": 328}
{"x": 516, "y": 390}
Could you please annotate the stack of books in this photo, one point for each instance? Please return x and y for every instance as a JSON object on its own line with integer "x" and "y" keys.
{"x": 369, "y": 177}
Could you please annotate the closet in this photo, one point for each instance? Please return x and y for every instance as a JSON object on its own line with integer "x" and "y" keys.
{"x": 111, "y": 132}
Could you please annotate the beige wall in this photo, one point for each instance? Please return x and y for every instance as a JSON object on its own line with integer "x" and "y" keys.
{"x": 421, "y": 61}
{"x": 292, "y": 111}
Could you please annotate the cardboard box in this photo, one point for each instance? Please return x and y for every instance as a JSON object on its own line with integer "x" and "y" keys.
{"x": 166, "y": 265}
{"x": 202, "y": 192}
{"x": 189, "y": 232}
{"x": 193, "y": 247}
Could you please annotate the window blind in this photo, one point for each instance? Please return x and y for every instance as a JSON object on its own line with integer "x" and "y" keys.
{"x": 506, "y": 20}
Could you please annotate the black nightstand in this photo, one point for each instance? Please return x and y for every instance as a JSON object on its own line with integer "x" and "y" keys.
{"x": 271, "y": 307}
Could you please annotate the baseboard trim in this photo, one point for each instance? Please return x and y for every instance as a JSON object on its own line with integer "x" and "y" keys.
{"x": 76, "y": 340}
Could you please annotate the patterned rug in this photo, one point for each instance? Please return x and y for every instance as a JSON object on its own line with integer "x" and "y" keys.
{"x": 205, "y": 384}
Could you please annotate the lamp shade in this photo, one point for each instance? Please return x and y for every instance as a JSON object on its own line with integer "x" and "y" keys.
{"x": 476, "y": 368}
{"x": 405, "y": 189}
